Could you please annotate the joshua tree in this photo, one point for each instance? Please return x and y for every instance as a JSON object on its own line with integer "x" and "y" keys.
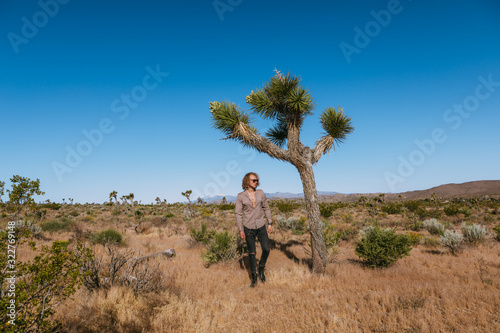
{"x": 187, "y": 194}
{"x": 283, "y": 100}
{"x": 113, "y": 195}
{"x": 158, "y": 200}
{"x": 131, "y": 198}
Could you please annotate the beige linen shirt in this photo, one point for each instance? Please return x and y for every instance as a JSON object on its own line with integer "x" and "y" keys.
{"x": 249, "y": 216}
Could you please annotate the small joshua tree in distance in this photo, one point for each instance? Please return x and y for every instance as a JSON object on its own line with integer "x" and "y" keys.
{"x": 114, "y": 195}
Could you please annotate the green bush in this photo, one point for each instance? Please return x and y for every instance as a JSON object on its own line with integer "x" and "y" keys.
{"x": 331, "y": 236}
{"x": 53, "y": 225}
{"x": 223, "y": 247}
{"x": 412, "y": 205}
{"x": 497, "y": 231}
{"x": 107, "y": 236}
{"x": 326, "y": 210}
{"x": 286, "y": 206}
{"x": 52, "y": 276}
{"x": 202, "y": 236}
{"x": 228, "y": 206}
{"x": 169, "y": 215}
{"x": 382, "y": 247}
{"x": 451, "y": 210}
{"x": 392, "y": 208}
{"x": 74, "y": 213}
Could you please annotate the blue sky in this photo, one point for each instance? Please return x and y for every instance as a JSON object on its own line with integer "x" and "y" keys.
{"x": 97, "y": 96}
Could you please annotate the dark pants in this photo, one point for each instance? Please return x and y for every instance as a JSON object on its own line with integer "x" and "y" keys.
{"x": 261, "y": 234}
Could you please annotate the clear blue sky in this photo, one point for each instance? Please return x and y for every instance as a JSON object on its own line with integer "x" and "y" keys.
{"x": 420, "y": 80}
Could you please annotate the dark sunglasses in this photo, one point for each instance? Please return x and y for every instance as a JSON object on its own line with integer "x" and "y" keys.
{"x": 254, "y": 180}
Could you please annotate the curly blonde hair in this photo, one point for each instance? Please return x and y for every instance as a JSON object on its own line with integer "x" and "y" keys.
{"x": 246, "y": 180}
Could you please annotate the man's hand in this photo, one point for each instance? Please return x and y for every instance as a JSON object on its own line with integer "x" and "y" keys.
{"x": 242, "y": 234}
{"x": 269, "y": 228}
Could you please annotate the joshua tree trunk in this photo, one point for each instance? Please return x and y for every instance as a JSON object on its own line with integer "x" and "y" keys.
{"x": 318, "y": 247}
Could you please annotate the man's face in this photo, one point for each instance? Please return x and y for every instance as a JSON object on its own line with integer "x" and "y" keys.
{"x": 254, "y": 181}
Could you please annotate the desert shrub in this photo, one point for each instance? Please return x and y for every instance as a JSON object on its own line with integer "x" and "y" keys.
{"x": 416, "y": 225}
{"x": 497, "y": 231}
{"x": 473, "y": 233}
{"x": 223, "y": 247}
{"x": 349, "y": 233}
{"x": 109, "y": 236}
{"x": 285, "y": 206}
{"x": 326, "y": 210}
{"x": 466, "y": 211}
{"x": 40, "y": 285}
{"x": 488, "y": 218}
{"x": 227, "y": 206}
{"x": 412, "y": 205}
{"x": 53, "y": 225}
{"x": 294, "y": 224}
{"x": 33, "y": 229}
{"x": 74, "y": 213}
{"x": 206, "y": 212}
{"x": 347, "y": 218}
{"x": 415, "y": 238}
{"x": 392, "y": 208}
{"x": 451, "y": 210}
{"x": 452, "y": 240}
{"x": 203, "y": 235}
{"x": 434, "y": 227}
{"x": 116, "y": 212}
{"x": 51, "y": 205}
{"x": 382, "y": 247}
{"x": 169, "y": 215}
{"x": 331, "y": 236}
{"x": 431, "y": 241}
{"x": 126, "y": 268}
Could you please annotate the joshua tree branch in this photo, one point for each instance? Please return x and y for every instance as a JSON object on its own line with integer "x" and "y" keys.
{"x": 323, "y": 146}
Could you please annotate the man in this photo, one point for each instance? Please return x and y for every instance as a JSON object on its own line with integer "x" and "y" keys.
{"x": 251, "y": 224}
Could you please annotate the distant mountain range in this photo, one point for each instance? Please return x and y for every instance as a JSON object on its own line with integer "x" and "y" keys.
{"x": 276, "y": 195}
{"x": 468, "y": 189}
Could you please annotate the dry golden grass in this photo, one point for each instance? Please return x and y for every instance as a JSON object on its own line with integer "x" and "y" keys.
{"x": 425, "y": 292}
{"x": 429, "y": 291}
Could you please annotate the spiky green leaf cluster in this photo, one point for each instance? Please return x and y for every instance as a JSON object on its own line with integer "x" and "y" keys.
{"x": 336, "y": 124}
{"x": 284, "y": 100}
{"x": 226, "y": 116}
